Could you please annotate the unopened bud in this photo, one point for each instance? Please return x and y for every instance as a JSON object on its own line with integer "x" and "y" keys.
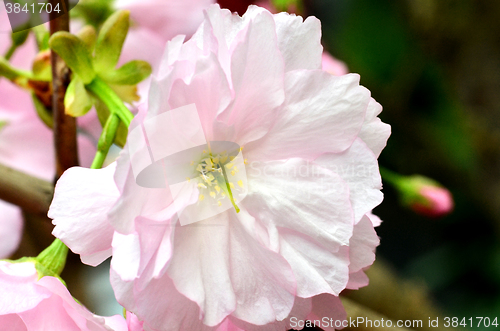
{"x": 422, "y": 194}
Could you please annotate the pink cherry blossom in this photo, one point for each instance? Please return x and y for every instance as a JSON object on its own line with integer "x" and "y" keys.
{"x": 303, "y": 233}
{"x": 28, "y": 303}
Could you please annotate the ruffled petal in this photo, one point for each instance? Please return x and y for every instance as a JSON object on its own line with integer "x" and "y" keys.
{"x": 220, "y": 265}
{"x": 322, "y": 113}
{"x": 257, "y": 80}
{"x": 316, "y": 268}
{"x": 374, "y": 132}
{"x": 299, "y": 41}
{"x": 358, "y": 167}
{"x": 301, "y": 196}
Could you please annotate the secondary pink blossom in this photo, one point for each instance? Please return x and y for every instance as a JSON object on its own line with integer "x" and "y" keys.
{"x": 25, "y": 142}
{"x": 304, "y": 232}
{"x": 28, "y": 304}
{"x": 11, "y": 226}
{"x": 333, "y": 66}
{"x": 166, "y": 18}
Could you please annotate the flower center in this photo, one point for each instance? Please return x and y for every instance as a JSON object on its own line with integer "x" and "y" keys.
{"x": 217, "y": 173}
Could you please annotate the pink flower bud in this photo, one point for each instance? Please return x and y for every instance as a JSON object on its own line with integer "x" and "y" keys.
{"x": 423, "y": 195}
{"x": 435, "y": 201}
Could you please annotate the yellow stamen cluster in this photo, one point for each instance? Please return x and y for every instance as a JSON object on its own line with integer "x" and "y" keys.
{"x": 210, "y": 168}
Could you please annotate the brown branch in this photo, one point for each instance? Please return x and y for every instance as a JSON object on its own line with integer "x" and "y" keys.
{"x": 64, "y": 125}
{"x": 32, "y": 194}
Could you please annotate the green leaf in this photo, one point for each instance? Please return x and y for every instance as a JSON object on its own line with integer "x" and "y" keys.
{"x": 103, "y": 114}
{"x": 110, "y": 41}
{"x": 131, "y": 73}
{"x": 88, "y": 35}
{"x": 75, "y": 53}
{"x": 77, "y": 101}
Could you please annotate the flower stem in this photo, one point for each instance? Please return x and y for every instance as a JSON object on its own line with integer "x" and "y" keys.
{"x": 111, "y": 100}
{"x": 53, "y": 258}
{"x": 391, "y": 177}
{"x": 106, "y": 140}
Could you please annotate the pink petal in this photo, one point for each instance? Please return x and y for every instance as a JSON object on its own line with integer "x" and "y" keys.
{"x": 11, "y": 228}
{"x": 301, "y": 196}
{"x": 81, "y": 202}
{"x": 322, "y": 113}
{"x": 358, "y": 167}
{"x": 12, "y": 322}
{"x": 257, "y": 80}
{"x": 374, "y": 132}
{"x": 329, "y": 307}
{"x": 317, "y": 269}
{"x": 218, "y": 262}
{"x": 19, "y": 290}
{"x": 299, "y": 41}
{"x": 362, "y": 245}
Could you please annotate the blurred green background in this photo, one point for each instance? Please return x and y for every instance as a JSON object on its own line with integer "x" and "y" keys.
{"x": 435, "y": 68}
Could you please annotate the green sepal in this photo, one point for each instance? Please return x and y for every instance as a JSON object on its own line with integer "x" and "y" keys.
{"x": 18, "y": 38}
{"x": 131, "y": 73}
{"x": 89, "y": 36}
{"x": 75, "y": 53}
{"x": 103, "y": 114}
{"x": 42, "y": 36}
{"x": 128, "y": 93}
{"x": 110, "y": 41}
{"x": 43, "y": 113}
{"x": 42, "y": 69}
{"x": 77, "y": 101}
{"x": 11, "y": 73}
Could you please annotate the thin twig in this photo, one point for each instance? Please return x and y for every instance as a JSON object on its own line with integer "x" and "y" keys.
{"x": 30, "y": 193}
{"x": 64, "y": 125}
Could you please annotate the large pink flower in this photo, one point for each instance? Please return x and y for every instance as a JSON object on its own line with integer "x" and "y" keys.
{"x": 28, "y": 304}
{"x": 303, "y": 233}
